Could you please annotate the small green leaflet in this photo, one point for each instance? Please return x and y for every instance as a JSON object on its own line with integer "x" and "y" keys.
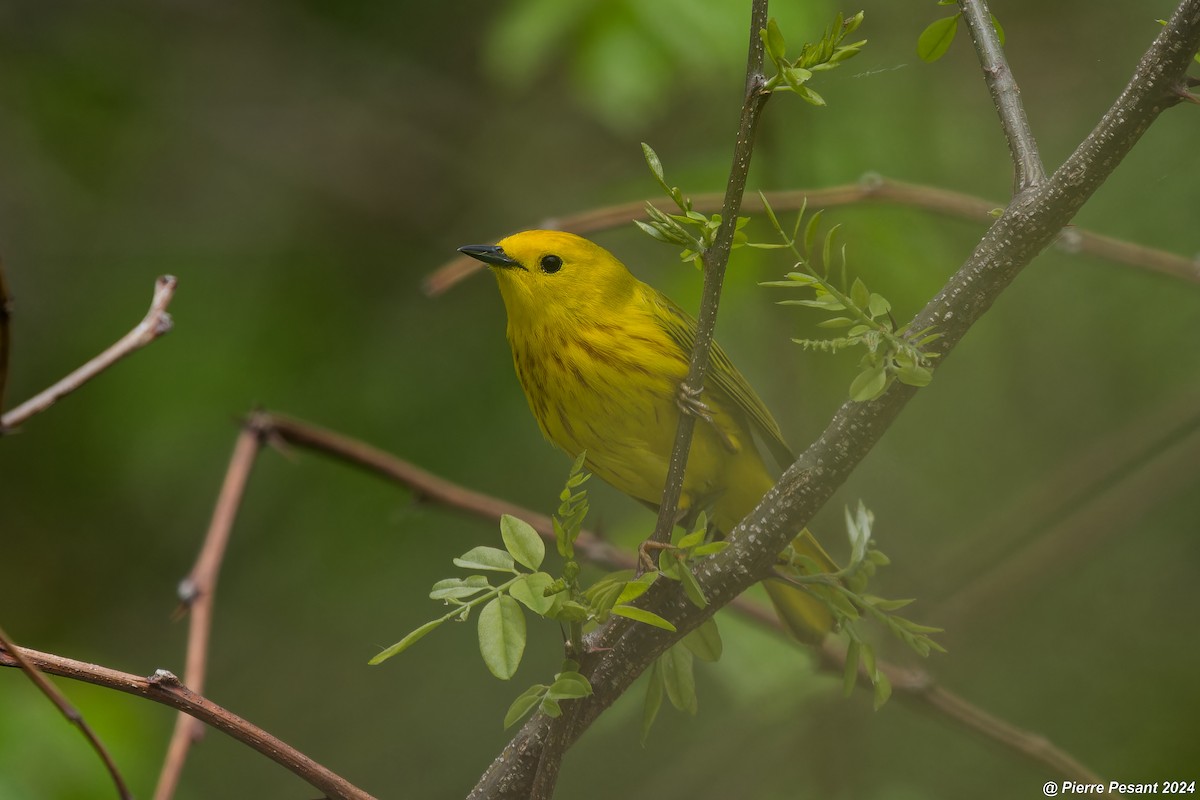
{"x": 502, "y": 636}
{"x": 522, "y": 541}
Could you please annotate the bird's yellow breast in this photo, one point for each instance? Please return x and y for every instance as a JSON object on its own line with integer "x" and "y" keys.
{"x": 609, "y": 385}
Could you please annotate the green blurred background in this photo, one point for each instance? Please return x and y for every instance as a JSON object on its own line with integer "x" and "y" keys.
{"x": 302, "y": 166}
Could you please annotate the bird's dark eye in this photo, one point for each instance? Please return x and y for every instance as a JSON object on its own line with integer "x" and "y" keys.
{"x": 550, "y": 264}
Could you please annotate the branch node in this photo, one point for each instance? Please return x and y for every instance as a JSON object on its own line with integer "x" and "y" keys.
{"x": 164, "y": 679}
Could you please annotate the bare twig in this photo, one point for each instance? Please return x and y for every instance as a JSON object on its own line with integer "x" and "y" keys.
{"x": 156, "y": 322}
{"x": 914, "y": 686}
{"x": 64, "y": 706}
{"x": 871, "y": 189}
{"x": 716, "y": 258}
{"x": 165, "y": 688}
{"x": 196, "y": 592}
{"x": 1010, "y": 244}
{"x": 1027, "y": 164}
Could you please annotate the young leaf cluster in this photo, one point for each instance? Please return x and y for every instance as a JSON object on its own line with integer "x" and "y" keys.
{"x": 690, "y": 230}
{"x": 793, "y": 75}
{"x": 935, "y": 40}
{"x": 892, "y": 352}
{"x": 694, "y": 232}
{"x": 845, "y": 595}
{"x": 671, "y": 674}
{"x": 506, "y": 583}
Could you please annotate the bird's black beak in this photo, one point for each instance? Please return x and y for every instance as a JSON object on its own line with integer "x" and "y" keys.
{"x": 490, "y": 254}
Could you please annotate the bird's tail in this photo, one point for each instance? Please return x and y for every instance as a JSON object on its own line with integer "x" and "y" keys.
{"x": 803, "y": 612}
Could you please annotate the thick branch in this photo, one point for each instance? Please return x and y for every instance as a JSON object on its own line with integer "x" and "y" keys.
{"x": 156, "y": 322}
{"x": 1012, "y": 242}
{"x": 1027, "y": 165}
{"x": 165, "y": 688}
{"x": 871, "y": 189}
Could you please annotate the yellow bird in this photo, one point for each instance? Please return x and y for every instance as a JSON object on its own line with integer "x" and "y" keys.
{"x": 601, "y": 357}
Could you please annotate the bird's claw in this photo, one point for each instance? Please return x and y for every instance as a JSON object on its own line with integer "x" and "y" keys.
{"x": 689, "y": 402}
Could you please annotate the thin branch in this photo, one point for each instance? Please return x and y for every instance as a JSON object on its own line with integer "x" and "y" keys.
{"x": 165, "y": 688}
{"x": 1006, "y": 95}
{"x": 715, "y": 259}
{"x": 1011, "y": 243}
{"x": 5, "y": 316}
{"x": 426, "y": 485}
{"x": 156, "y": 323}
{"x": 871, "y": 189}
{"x": 197, "y": 592}
{"x": 913, "y": 686}
{"x": 69, "y": 711}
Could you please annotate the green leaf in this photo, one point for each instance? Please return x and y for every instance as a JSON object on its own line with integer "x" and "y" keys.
{"x": 635, "y": 589}
{"x": 653, "y": 162}
{"x": 459, "y": 588}
{"x": 999, "y": 30}
{"x": 653, "y": 699}
{"x": 859, "y": 294}
{"x": 571, "y": 611}
{"x": 653, "y": 231}
{"x": 914, "y": 375}
{"x": 773, "y": 40}
{"x": 868, "y": 384}
{"x": 709, "y": 549}
{"x": 551, "y": 708}
{"x": 642, "y": 615}
{"x": 530, "y": 591}
{"x": 678, "y": 679}
{"x": 691, "y": 540}
{"x": 522, "y": 542}
{"x": 526, "y": 701}
{"x": 810, "y": 232}
{"x": 569, "y": 686}
{"x": 488, "y": 558}
{"x": 704, "y": 641}
{"x": 883, "y": 690}
{"x": 808, "y": 95}
{"x": 691, "y": 587}
{"x": 935, "y": 40}
{"x": 603, "y": 597}
{"x": 407, "y": 642}
{"x": 878, "y": 305}
{"x": 836, "y": 322}
{"x": 502, "y": 636}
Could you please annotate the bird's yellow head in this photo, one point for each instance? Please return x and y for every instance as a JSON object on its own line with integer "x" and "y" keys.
{"x": 555, "y": 276}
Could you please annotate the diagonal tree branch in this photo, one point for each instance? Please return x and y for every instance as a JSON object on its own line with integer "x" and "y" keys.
{"x": 156, "y": 323}
{"x": 1027, "y": 164}
{"x": 7, "y": 647}
{"x": 871, "y": 189}
{"x": 914, "y": 687}
{"x": 1024, "y": 229}
{"x": 165, "y": 688}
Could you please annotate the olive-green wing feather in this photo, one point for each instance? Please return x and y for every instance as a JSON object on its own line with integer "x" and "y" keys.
{"x": 724, "y": 378}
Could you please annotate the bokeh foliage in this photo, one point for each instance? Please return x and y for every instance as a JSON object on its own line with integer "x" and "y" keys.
{"x": 301, "y": 166}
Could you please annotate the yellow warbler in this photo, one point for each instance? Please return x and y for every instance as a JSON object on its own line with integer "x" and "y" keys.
{"x": 601, "y": 356}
